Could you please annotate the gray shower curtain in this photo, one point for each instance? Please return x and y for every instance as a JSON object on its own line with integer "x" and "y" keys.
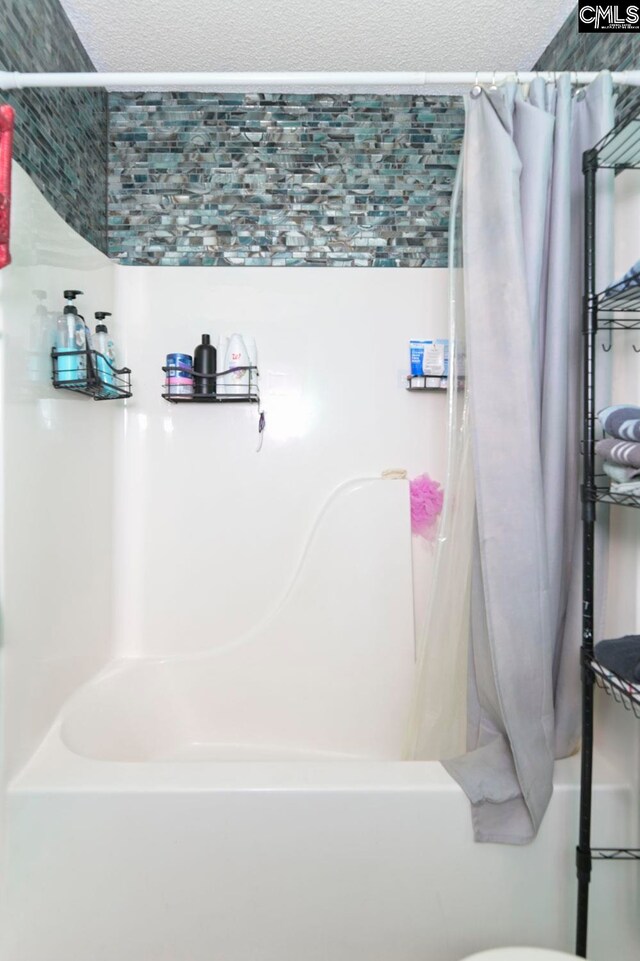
{"x": 522, "y": 258}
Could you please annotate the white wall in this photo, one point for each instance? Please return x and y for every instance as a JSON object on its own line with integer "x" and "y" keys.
{"x": 211, "y": 531}
{"x": 57, "y": 479}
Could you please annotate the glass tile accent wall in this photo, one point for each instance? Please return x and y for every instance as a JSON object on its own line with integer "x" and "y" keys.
{"x": 570, "y": 50}
{"x": 61, "y": 135}
{"x": 281, "y": 180}
{"x": 198, "y": 179}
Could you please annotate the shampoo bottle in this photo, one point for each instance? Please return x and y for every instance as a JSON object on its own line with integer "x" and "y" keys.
{"x": 204, "y": 362}
{"x": 237, "y": 381}
{"x": 83, "y": 344}
{"x": 68, "y": 360}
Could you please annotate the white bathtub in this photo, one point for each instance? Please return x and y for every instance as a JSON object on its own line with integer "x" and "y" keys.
{"x": 129, "y": 841}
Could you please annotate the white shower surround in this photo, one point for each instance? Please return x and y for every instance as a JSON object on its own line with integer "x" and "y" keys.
{"x": 211, "y": 532}
{"x": 117, "y": 843}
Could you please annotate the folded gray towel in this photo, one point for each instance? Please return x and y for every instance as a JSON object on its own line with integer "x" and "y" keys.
{"x": 621, "y": 655}
{"x": 622, "y": 421}
{"x": 619, "y": 451}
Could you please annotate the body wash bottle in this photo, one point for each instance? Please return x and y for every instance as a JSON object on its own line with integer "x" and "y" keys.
{"x": 86, "y": 372}
{"x": 66, "y": 360}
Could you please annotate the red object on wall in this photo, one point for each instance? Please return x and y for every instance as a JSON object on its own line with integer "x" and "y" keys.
{"x": 7, "y": 117}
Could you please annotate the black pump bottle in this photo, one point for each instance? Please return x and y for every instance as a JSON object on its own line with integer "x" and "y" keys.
{"x": 204, "y": 362}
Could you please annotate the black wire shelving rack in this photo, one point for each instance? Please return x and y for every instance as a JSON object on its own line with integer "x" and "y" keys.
{"x": 601, "y": 492}
{"x": 90, "y": 373}
{"x": 621, "y": 690}
{"x": 623, "y": 298}
{"x": 616, "y": 308}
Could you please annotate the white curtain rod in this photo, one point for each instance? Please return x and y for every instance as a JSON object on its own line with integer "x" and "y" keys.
{"x": 273, "y": 81}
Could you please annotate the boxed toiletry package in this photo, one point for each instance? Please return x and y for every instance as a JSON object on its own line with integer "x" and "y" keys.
{"x": 429, "y": 358}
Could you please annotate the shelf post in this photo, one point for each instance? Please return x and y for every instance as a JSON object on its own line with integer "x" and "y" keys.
{"x": 590, "y": 325}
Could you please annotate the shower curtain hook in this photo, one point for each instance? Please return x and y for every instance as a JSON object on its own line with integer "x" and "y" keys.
{"x": 580, "y": 92}
{"x": 494, "y": 85}
{"x": 476, "y": 90}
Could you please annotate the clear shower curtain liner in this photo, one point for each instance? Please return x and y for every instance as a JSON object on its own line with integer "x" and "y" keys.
{"x": 508, "y": 572}
{"x": 437, "y": 723}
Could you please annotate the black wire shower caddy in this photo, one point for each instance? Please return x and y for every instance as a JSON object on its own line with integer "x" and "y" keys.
{"x": 210, "y": 388}
{"x": 90, "y": 373}
{"x": 613, "y": 309}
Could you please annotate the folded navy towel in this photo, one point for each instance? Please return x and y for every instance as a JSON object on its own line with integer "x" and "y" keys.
{"x": 622, "y": 421}
{"x": 621, "y": 655}
{"x": 622, "y": 452}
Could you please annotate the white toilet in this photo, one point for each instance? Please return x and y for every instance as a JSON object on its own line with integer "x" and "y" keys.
{"x": 520, "y": 954}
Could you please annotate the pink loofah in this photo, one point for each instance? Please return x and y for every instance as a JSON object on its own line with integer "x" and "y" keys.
{"x": 427, "y": 498}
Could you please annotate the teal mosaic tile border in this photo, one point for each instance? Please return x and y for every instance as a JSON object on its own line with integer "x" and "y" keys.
{"x": 197, "y": 179}
{"x": 61, "y": 135}
{"x": 280, "y": 180}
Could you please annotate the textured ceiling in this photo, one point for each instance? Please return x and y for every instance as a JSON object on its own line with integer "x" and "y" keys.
{"x": 322, "y": 35}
